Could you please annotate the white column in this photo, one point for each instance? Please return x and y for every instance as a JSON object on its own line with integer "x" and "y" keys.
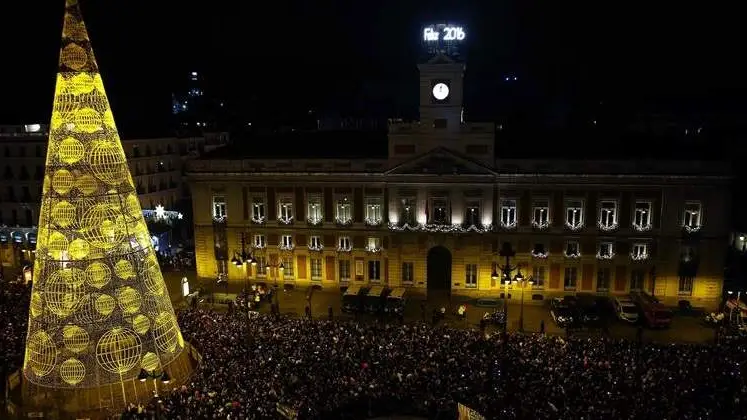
{"x": 456, "y": 198}
{"x": 487, "y": 206}
{"x": 422, "y": 198}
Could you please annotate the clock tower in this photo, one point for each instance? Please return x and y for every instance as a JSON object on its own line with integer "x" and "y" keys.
{"x": 441, "y": 93}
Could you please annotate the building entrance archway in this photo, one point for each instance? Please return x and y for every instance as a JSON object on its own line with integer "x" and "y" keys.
{"x": 439, "y": 269}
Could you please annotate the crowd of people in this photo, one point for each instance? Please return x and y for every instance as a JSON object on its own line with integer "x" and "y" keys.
{"x": 348, "y": 369}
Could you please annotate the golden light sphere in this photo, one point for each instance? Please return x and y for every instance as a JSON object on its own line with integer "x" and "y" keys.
{"x": 41, "y": 353}
{"x": 87, "y": 120}
{"x": 93, "y": 309}
{"x": 62, "y": 297}
{"x": 81, "y": 83}
{"x": 74, "y": 29}
{"x": 150, "y": 362}
{"x": 75, "y": 338}
{"x": 165, "y": 331}
{"x": 79, "y": 249}
{"x": 63, "y": 214}
{"x": 141, "y": 324}
{"x": 71, "y": 151}
{"x": 105, "y": 305}
{"x": 118, "y": 350}
{"x": 124, "y": 270}
{"x": 74, "y": 56}
{"x": 62, "y": 181}
{"x": 103, "y": 226}
{"x": 56, "y": 244}
{"x": 98, "y": 274}
{"x": 108, "y": 163}
{"x": 129, "y": 300}
{"x": 72, "y": 371}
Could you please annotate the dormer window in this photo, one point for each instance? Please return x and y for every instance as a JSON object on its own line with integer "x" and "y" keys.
{"x": 314, "y": 212}
{"x": 572, "y": 249}
{"x": 472, "y": 214}
{"x": 692, "y": 217}
{"x": 344, "y": 211}
{"x": 440, "y": 211}
{"x": 285, "y": 210}
{"x": 508, "y": 214}
{"x": 642, "y": 216}
{"x": 608, "y": 215}
{"x": 639, "y": 251}
{"x": 344, "y": 244}
{"x": 605, "y": 250}
{"x": 574, "y": 214}
{"x": 259, "y": 214}
{"x": 541, "y": 214}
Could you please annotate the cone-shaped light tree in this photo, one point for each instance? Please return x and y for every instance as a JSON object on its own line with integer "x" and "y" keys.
{"x": 100, "y": 311}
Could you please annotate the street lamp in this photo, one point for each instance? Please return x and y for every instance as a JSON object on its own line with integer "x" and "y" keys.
{"x": 163, "y": 376}
{"x": 244, "y": 259}
{"x": 522, "y": 282}
{"x": 506, "y": 252}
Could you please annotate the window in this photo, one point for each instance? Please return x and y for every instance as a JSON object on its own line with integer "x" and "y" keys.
{"x": 508, "y": 213}
{"x": 408, "y": 211}
{"x": 288, "y": 272}
{"x": 470, "y": 272}
{"x": 472, "y": 216}
{"x": 408, "y": 272}
{"x": 642, "y": 216}
{"x": 692, "y": 217}
{"x": 344, "y": 266}
{"x": 608, "y": 215}
{"x": 286, "y": 242}
{"x": 373, "y": 211}
{"x": 344, "y": 244}
{"x": 539, "y": 274}
{"x": 440, "y": 211}
{"x": 639, "y": 251}
{"x": 605, "y": 250}
{"x": 637, "y": 278}
{"x": 316, "y": 269}
{"x": 374, "y": 270}
{"x": 219, "y": 208}
{"x": 315, "y": 243}
{"x": 572, "y": 249}
{"x": 314, "y": 210}
{"x": 570, "y": 278}
{"x": 344, "y": 211}
{"x": 604, "y": 274}
{"x": 539, "y": 251}
{"x": 373, "y": 244}
{"x": 258, "y": 210}
{"x": 260, "y": 241}
{"x": 541, "y": 214}
{"x": 285, "y": 210}
{"x": 685, "y": 287}
{"x": 574, "y": 214}
{"x": 261, "y": 266}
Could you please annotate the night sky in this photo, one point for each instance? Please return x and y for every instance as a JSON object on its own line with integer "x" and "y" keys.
{"x": 359, "y": 57}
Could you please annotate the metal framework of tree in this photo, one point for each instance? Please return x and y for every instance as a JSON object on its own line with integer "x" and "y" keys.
{"x": 100, "y": 310}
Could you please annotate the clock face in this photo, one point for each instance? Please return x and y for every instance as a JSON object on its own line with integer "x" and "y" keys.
{"x": 440, "y": 91}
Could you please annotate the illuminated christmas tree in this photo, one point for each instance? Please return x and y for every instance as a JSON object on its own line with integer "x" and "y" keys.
{"x": 100, "y": 311}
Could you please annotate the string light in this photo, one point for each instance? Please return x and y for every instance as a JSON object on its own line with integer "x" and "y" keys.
{"x": 99, "y": 307}
{"x": 440, "y": 228}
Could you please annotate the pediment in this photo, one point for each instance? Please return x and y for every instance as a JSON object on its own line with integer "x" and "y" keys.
{"x": 440, "y": 161}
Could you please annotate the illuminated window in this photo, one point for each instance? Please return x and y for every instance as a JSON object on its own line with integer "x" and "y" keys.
{"x": 605, "y": 250}
{"x": 439, "y": 211}
{"x": 261, "y": 266}
{"x": 470, "y": 272}
{"x": 259, "y": 214}
{"x": 286, "y": 242}
{"x": 608, "y": 214}
{"x": 539, "y": 273}
{"x": 344, "y": 244}
{"x": 574, "y": 214}
{"x": 344, "y": 211}
{"x": 314, "y": 211}
{"x": 260, "y": 241}
{"x": 373, "y": 245}
{"x": 373, "y": 211}
{"x": 570, "y": 278}
{"x": 408, "y": 272}
{"x": 407, "y": 211}
{"x": 508, "y": 213}
{"x": 219, "y": 207}
{"x": 642, "y": 216}
{"x": 639, "y": 251}
{"x": 572, "y": 249}
{"x": 316, "y": 269}
{"x": 285, "y": 210}
{"x": 374, "y": 270}
{"x": 315, "y": 243}
{"x": 472, "y": 213}
{"x": 692, "y": 217}
{"x": 344, "y": 268}
{"x": 541, "y": 214}
{"x": 288, "y": 272}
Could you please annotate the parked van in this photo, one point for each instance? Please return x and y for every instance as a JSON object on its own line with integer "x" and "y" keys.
{"x": 351, "y": 299}
{"x": 396, "y": 301}
{"x": 374, "y": 300}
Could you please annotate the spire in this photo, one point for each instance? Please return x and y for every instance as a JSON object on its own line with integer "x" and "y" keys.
{"x": 100, "y": 311}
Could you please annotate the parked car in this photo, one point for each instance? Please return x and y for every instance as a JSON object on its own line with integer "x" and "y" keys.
{"x": 396, "y": 301}
{"x": 562, "y": 311}
{"x": 626, "y": 310}
{"x": 588, "y": 311}
{"x": 352, "y": 300}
